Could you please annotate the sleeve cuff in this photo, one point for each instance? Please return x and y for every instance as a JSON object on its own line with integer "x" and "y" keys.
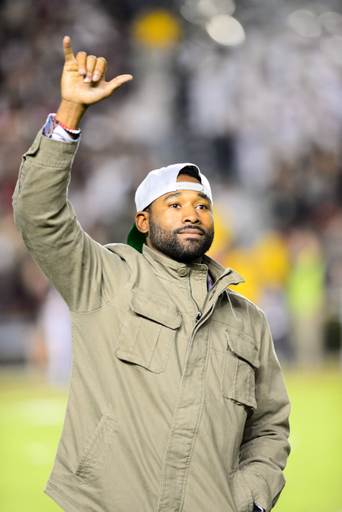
{"x": 56, "y": 132}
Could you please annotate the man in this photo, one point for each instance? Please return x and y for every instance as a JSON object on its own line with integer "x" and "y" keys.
{"x": 176, "y": 401}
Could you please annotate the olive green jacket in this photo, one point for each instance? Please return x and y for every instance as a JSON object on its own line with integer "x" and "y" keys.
{"x": 166, "y": 411}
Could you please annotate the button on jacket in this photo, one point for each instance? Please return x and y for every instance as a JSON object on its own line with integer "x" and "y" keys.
{"x": 168, "y": 410}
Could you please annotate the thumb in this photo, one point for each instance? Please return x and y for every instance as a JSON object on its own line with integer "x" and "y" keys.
{"x": 118, "y": 81}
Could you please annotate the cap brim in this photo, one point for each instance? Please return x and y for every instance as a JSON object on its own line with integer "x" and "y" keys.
{"x": 136, "y": 239}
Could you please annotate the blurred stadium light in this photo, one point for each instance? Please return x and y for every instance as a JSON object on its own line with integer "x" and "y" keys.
{"x": 305, "y": 23}
{"x": 201, "y": 11}
{"x": 225, "y": 30}
{"x": 332, "y": 22}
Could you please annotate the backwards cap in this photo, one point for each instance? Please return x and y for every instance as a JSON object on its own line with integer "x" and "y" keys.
{"x": 156, "y": 184}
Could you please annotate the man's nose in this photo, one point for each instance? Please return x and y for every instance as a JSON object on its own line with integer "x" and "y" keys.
{"x": 190, "y": 215}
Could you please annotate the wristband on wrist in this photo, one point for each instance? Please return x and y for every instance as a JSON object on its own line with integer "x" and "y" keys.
{"x": 69, "y": 130}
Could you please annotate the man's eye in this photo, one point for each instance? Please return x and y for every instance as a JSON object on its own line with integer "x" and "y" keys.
{"x": 174, "y": 205}
{"x": 202, "y": 206}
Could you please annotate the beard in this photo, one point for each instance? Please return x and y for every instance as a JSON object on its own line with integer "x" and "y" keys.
{"x": 168, "y": 243}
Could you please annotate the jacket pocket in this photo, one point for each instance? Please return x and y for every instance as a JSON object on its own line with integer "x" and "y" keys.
{"x": 148, "y": 331}
{"x": 240, "y": 363}
{"x": 94, "y": 456}
{"x": 242, "y": 494}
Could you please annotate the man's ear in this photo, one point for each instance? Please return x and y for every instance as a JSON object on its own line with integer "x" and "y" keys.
{"x": 142, "y": 221}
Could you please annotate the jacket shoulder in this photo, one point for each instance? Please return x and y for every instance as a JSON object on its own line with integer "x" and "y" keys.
{"x": 123, "y": 250}
{"x": 245, "y": 302}
{"x": 133, "y": 259}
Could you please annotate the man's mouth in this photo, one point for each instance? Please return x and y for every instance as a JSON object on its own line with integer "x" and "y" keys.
{"x": 191, "y": 231}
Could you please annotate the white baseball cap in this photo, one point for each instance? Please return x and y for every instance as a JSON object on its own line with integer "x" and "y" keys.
{"x": 160, "y": 182}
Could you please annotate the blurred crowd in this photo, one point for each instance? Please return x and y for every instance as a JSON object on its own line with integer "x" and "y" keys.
{"x": 263, "y": 120}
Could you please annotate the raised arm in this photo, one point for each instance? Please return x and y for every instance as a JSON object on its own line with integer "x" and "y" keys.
{"x": 75, "y": 264}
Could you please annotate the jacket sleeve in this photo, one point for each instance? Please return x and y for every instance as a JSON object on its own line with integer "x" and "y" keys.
{"x": 265, "y": 447}
{"x": 77, "y": 266}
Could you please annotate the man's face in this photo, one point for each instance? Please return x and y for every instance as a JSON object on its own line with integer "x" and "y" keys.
{"x": 180, "y": 224}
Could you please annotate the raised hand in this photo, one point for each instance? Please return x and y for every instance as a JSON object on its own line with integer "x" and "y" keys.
{"x": 83, "y": 84}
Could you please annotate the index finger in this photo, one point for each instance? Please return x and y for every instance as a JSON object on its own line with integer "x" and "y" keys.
{"x": 69, "y": 55}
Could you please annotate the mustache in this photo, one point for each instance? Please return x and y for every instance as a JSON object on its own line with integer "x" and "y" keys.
{"x": 186, "y": 228}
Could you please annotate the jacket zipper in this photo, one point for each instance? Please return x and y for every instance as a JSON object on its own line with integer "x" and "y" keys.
{"x": 199, "y": 314}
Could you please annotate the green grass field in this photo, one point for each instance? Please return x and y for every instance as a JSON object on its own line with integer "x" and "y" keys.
{"x": 31, "y": 416}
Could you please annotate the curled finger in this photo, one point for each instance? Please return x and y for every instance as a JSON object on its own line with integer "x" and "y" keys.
{"x": 90, "y": 66}
{"x": 81, "y": 59}
{"x": 100, "y": 69}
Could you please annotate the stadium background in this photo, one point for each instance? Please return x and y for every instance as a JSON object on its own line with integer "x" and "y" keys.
{"x": 249, "y": 90}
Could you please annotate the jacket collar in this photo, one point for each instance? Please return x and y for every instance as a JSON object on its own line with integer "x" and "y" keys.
{"x": 171, "y": 269}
